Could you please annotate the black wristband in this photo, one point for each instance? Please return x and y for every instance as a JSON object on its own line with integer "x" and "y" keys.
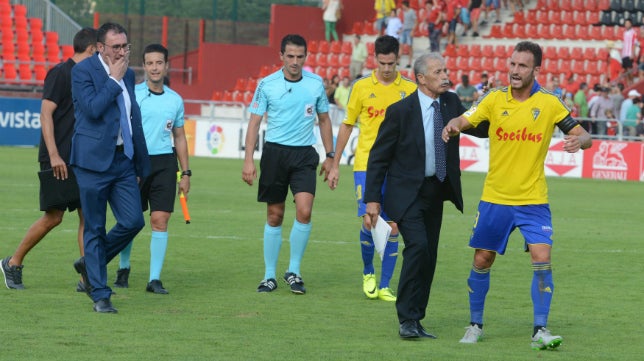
{"x": 330, "y": 155}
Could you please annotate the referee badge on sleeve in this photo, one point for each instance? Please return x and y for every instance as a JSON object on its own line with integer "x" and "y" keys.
{"x": 308, "y": 110}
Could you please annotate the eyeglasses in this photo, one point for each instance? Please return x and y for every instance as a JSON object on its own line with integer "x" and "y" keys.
{"x": 119, "y": 47}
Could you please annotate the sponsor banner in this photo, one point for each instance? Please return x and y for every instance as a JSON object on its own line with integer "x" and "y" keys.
{"x": 614, "y": 160}
{"x": 19, "y": 121}
{"x": 226, "y": 139}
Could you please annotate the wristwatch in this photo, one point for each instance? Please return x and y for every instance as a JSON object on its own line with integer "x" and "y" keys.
{"x": 330, "y": 155}
{"x": 187, "y": 172}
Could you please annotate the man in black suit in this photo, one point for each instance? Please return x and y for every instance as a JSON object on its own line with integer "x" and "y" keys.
{"x": 422, "y": 172}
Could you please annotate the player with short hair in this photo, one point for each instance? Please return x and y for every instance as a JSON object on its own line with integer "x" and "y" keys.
{"x": 522, "y": 120}
{"x": 57, "y": 118}
{"x": 290, "y": 98}
{"x": 368, "y": 100}
{"x": 162, "y": 114}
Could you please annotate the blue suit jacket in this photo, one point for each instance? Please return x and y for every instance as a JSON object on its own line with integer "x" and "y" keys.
{"x": 97, "y": 118}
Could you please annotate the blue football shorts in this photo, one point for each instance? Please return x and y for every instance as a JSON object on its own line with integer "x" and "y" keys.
{"x": 495, "y": 222}
{"x": 359, "y": 178}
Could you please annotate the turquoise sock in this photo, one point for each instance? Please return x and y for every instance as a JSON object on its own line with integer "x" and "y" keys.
{"x": 478, "y": 284}
{"x": 542, "y": 289}
{"x": 272, "y": 245}
{"x": 389, "y": 260}
{"x": 124, "y": 256}
{"x": 368, "y": 249}
{"x": 298, "y": 239}
{"x": 158, "y": 246}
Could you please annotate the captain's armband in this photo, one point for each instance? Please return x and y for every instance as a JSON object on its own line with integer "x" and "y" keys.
{"x": 567, "y": 124}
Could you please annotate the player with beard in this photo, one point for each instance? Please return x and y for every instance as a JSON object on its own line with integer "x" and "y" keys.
{"x": 522, "y": 120}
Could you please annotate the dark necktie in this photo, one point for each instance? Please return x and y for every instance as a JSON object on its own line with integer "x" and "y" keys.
{"x": 128, "y": 148}
{"x": 439, "y": 144}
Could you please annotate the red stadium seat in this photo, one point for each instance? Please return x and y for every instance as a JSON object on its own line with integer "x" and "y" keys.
{"x": 487, "y": 51}
{"x": 495, "y": 32}
{"x": 519, "y": 18}
{"x": 312, "y": 46}
{"x": 488, "y": 65}
{"x": 589, "y": 53}
{"x": 251, "y": 84}
{"x": 500, "y": 51}
{"x": 463, "y": 51}
{"x": 335, "y": 47}
{"x": 450, "y": 50}
{"x": 247, "y": 97}
{"x": 347, "y": 48}
{"x": 563, "y": 52}
{"x": 450, "y": 62}
{"x": 323, "y": 47}
{"x": 602, "y": 54}
{"x": 576, "y": 53}
{"x": 40, "y": 72}
{"x": 371, "y": 48}
{"x": 475, "y": 64}
{"x": 550, "y": 52}
{"x": 24, "y": 71}
{"x": 357, "y": 28}
{"x": 334, "y": 60}
{"x": 68, "y": 51}
{"x": 322, "y": 59}
{"x": 370, "y": 63}
{"x": 10, "y": 72}
{"x": 474, "y": 50}
{"x": 345, "y": 60}
{"x": 344, "y": 73}
{"x": 240, "y": 84}
{"x": 463, "y": 63}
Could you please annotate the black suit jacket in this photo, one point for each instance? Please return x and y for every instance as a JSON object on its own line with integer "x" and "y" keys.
{"x": 399, "y": 154}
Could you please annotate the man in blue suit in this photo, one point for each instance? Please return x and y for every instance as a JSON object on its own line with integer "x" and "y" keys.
{"x": 109, "y": 156}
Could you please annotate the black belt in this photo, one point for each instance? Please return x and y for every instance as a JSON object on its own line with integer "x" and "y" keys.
{"x": 119, "y": 148}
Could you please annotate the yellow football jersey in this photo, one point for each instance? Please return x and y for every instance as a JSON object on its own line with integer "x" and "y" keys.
{"x": 368, "y": 101}
{"x": 520, "y": 134}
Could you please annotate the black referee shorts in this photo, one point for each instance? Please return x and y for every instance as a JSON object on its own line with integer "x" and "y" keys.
{"x": 159, "y": 189}
{"x": 282, "y": 166}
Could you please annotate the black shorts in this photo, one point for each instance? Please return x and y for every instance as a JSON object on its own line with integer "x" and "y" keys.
{"x": 282, "y": 166}
{"x": 627, "y": 63}
{"x": 71, "y": 205}
{"x": 159, "y": 189}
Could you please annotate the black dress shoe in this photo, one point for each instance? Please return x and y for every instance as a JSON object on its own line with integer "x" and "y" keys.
{"x": 104, "y": 305}
{"x": 155, "y": 286}
{"x": 423, "y": 333}
{"x": 79, "y": 266}
{"x": 409, "y": 329}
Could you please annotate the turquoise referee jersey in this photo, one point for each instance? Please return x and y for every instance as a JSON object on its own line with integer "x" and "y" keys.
{"x": 160, "y": 113}
{"x": 291, "y": 107}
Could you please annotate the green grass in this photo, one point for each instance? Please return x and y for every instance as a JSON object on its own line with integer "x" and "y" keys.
{"x": 214, "y": 265}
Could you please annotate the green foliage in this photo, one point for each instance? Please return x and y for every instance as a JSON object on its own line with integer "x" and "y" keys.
{"x": 214, "y": 264}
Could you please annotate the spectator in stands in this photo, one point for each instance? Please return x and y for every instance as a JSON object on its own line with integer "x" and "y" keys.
{"x": 492, "y": 5}
{"x": 484, "y": 84}
{"x": 358, "y": 56}
{"x": 632, "y": 95}
{"x": 464, "y": 15}
{"x": 614, "y": 68}
{"x": 341, "y": 94}
{"x": 435, "y": 20}
{"x": 556, "y": 88}
{"x": 630, "y": 48}
{"x": 163, "y": 126}
{"x": 331, "y": 15}
{"x": 516, "y": 5}
{"x": 617, "y": 97}
{"x": 639, "y": 129}
{"x": 633, "y": 116}
{"x": 333, "y": 85}
{"x": 581, "y": 103}
{"x": 408, "y": 26}
{"x": 57, "y": 126}
{"x": 601, "y": 104}
{"x": 288, "y": 157}
{"x": 452, "y": 15}
{"x": 467, "y": 92}
{"x": 475, "y": 14}
{"x": 383, "y": 9}
{"x": 394, "y": 24}
{"x": 572, "y": 85}
{"x": 571, "y": 105}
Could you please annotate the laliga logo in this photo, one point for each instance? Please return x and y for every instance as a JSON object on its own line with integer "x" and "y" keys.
{"x": 215, "y": 139}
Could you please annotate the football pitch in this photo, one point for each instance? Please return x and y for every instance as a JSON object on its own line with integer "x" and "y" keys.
{"x": 214, "y": 265}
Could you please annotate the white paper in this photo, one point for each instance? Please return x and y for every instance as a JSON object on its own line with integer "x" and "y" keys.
{"x": 380, "y": 234}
